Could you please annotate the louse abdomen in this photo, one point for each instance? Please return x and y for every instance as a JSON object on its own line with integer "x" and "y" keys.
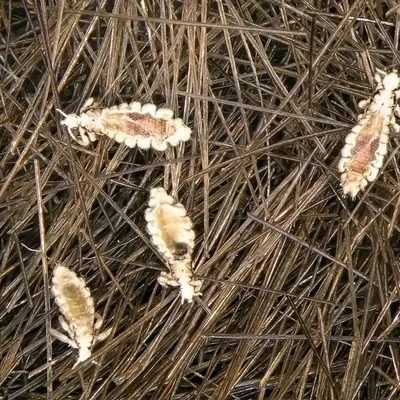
{"x": 365, "y": 148}
{"x": 138, "y": 124}
{"x": 76, "y": 305}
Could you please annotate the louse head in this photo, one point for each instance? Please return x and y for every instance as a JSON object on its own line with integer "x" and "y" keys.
{"x": 352, "y": 184}
{"x": 187, "y": 292}
{"x": 84, "y": 354}
{"x": 71, "y": 121}
{"x": 391, "y": 81}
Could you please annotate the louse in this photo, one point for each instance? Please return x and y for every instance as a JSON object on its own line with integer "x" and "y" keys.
{"x": 366, "y": 144}
{"x": 133, "y": 124}
{"x": 172, "y": 233}
{"x": 78, "y": 315}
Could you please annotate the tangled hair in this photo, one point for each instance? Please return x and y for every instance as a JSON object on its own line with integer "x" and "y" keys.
{"x": 300, "y": 285}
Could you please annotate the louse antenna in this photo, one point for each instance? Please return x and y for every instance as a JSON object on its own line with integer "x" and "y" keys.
{"x": 61, "y": 112}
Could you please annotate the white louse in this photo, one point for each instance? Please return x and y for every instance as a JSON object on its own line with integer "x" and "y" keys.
{"x": 366, "y": 144}
{"x": 172, "y": 233}
{"x": 133, "y": 124}
{"x": 77, "y": 308}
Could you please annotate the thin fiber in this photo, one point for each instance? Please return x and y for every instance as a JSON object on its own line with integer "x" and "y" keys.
{"x": 300, "y": 284}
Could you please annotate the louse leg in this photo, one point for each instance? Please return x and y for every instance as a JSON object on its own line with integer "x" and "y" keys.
{"x": 63, "y": 338}
{"x": 103, "y": 336}
{"x": 80, "y": 141}
{"x": 395, "y": 125}
{"x": 65, "y": 326}
{"x": 166, "y": 279}
{"x": 84, "y": 140}
{"x": 197, "y": 284}
{"x": 397, "y": 110}
{"x": 342, "y": 163}
{"x": 92, "y": 136}
{"x": 99, "y": 321}
{"x": 73, "y": 136}
{"x": 88, "y": 105}
{"x": 360, "y": 117}
{"x": 364, "y": 103}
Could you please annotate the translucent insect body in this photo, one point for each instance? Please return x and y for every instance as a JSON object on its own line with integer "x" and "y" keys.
{"x": 366, "y": 144}
{"x": 171, "y": 232}
{"x": 76, "y": 305}
{"x": 132, "y": 124}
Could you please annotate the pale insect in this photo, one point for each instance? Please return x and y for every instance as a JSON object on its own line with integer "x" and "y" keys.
{"x": 366, "y": 144}
{"x": 134, "y": 124}
{"x": 77, "y": 308}
{"x": 172, "y": 233}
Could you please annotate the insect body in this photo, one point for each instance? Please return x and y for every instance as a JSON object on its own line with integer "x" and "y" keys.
{"x": 132, "y": 124}
{"x": 172, "y": 233}
{"x": 76, "y": 305}
{"x": 366, "y": 144}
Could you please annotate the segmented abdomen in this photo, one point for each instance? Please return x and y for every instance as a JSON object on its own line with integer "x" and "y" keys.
{"x": 74, "y": 299}
{"x": 367, "y": 144}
